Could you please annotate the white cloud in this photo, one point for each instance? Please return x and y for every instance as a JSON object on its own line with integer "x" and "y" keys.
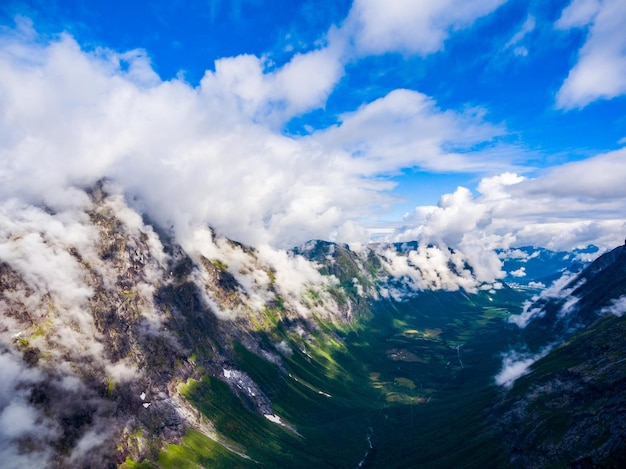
{"x": 600, "y": 72}
{"x": 579, "y": 13}
{"x": 353, "y": 234}
{"x": 211, "y": 155}
{"x": 18, "y": 418}
{"x": 435, "y": 267}
{"x": 514, "y": 254}
{"x": 600, "y": 177}
{"x": 245, "y": 84}
{"x": 378, "y": 26}
{"x": 34, "y": 243}
{"x": 263, "y": 275}
{"x": 192, "y": 155}
{"x": 569, "y": 206}
{"x": 406, "y": 128}
{"x": 469, "y": 224}
{"x": 617, "y": 307}
{"x": 516, "y": 365}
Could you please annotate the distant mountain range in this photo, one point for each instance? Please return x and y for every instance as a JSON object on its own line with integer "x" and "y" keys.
{"x": 121, "y": 346}
{"x": 539, "y": 267}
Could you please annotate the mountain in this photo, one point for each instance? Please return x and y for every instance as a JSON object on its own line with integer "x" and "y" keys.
{"x": 122, "y": 347}
{"x": 108, "y": 324}
{"x": 539, "y": 267}
{"x": 577, "y": 300}
{"x": 569, "y": 409}
{"x": 125, "y": 345}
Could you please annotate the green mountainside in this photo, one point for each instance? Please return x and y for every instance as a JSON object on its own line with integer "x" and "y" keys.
{"x": 569, "y": 410}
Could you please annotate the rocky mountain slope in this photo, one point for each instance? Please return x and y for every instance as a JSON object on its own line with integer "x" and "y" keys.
{"x": 577, "y": 300}
{"x": 102, "y": 319}
{"x": 569, "y": 410}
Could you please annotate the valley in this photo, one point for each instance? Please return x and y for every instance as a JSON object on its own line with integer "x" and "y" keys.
{"x": 413, "y": 379}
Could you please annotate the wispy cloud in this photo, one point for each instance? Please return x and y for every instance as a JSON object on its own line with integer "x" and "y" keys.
{"x": 19, "y": 419}
{"x": 516, "y": 42}
{"x": 534, "y": 308}
{"x": 617, "y": 307}
{"x": 600, "y": 72}
{"x": 412, "y": 28}
{"x": 515, "y": 365}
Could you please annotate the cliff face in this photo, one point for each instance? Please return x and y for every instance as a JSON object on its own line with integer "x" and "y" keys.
{"x": 83, "y": 335}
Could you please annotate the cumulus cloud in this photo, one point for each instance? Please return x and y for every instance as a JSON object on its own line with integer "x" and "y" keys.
{"x": 434, "y": 267}
{"x": 245, "y": 84}
{"x": 192, "y": 155}
{"x": 568, "y": 206}
{"x": 600, "y": 72}
{"x": 469, "y": 224}
{"x": 410, "y": 27}
{"x": 405, "y": 128}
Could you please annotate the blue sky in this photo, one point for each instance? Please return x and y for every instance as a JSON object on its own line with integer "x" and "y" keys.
{"x": 364, "y": 113}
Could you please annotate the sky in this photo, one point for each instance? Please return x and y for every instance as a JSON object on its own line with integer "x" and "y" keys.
{"x": 464, "y": 123}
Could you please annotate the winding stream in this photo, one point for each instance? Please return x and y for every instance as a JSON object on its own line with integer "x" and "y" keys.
{"x": 369, "y": 455}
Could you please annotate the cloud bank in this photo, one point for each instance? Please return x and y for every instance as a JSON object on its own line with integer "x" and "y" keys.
{"x": 571, "y": 206}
